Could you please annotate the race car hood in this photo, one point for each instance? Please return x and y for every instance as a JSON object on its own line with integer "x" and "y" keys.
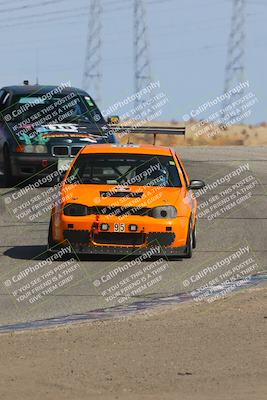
{"x": 133, "y": 196}
{"x": 64, "y": 133}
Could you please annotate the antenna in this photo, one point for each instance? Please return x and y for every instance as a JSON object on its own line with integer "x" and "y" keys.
{"x": 92, "y": 75}
{"x": 235, "y": 70}
{"x": 37, "y": 66}
{"x": 142, "y": 75}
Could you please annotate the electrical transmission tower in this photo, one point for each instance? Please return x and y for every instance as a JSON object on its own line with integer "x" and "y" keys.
{"x": 235, "y": 70}
{"x": 92, "y": 75}
{"x": 142, "y": 72}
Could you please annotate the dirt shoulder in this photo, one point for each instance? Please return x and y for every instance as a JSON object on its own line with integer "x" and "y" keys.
{"x": 191, "y": 351}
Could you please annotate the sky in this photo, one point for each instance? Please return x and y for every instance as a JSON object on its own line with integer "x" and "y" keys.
{"x": 187, "y": 45}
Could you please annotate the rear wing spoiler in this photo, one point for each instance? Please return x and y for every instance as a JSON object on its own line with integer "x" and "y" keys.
{"x": 152, "y": 130}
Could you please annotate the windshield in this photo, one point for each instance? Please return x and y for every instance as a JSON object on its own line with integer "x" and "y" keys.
{"x": 125, "y": 169}
{"x": 43, "y": 109}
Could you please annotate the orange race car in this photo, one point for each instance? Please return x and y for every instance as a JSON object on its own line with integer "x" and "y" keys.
{"x": 124, "y": 199}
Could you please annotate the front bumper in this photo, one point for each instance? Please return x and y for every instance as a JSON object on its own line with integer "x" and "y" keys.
{"x": 169, "y": 236}
{"x": 153, "y": 249}
{"x": 116, "y": 250}
{"x": 26, "y": 165}
{"x": 80, "y": 231}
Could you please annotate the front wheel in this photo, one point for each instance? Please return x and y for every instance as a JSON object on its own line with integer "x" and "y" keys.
{"x": 9, "y": 179}
{"x": 190, "y": 242}
{"x": 195, "y": 237}
{"x": 50, "y": 241}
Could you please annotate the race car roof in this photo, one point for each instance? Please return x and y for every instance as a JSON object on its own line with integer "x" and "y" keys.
{"x": 130, "y": 148}
{"x": 41, "y": 90}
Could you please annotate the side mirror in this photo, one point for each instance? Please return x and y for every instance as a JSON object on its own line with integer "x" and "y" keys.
{"x": 196, "y": 185}
{"x": 114, "y": 119}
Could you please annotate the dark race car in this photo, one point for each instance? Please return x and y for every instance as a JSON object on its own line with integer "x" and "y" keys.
{"x": 42, "y": 128}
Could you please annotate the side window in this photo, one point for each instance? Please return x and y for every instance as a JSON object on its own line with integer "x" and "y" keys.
{"x": 5, "y": 98}
{"x": 3, "y": 94}
{"x": 181, "y": 165}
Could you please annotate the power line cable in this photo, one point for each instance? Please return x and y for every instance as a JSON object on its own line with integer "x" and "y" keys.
{"x": 27, "y": 6}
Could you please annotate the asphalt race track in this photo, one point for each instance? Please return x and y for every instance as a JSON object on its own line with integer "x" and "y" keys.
{"x": 232, "y": 230}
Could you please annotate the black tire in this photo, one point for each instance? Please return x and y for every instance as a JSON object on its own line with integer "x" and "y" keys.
{"x": 195, "y": 237}
{"x": 8, "y": 177}
{"x": 50, "y": 241}
{"x": 189, "y": 246}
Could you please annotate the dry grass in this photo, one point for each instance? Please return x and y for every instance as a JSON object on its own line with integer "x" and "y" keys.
{"x": 235, "y": 135}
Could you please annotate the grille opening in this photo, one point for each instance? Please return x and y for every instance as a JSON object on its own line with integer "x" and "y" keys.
{"x": 121, "y": 194}
{"x": 27, "y": 170}
{"x": 75, "y": 150}
{"x": 60, "y": 151}
{"x": 75, "y": 210}
{"x": 77, "y": 237}
{"x": 131, "y": 239}
{"x": 119, "y": 211}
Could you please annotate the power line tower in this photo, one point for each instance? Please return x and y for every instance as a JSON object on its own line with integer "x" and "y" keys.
{"x": 92, "y": 75}
{"x": 142, "y": 71}
{"x": 235, "y": 70}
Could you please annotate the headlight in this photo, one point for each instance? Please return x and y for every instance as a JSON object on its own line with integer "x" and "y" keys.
{"x": 29, "y": 148}
{"x": 75, "y": 210}
{"x": 38, "y": 148}
{"x": 163, "y": 212}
